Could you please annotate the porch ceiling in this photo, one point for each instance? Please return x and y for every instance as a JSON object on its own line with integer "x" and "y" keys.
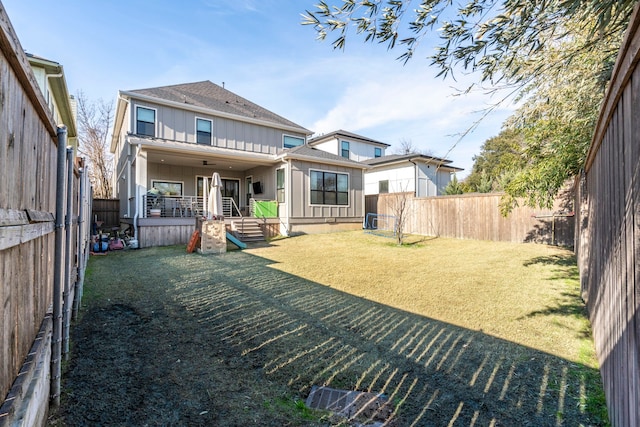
{"x": 202, "y": 160}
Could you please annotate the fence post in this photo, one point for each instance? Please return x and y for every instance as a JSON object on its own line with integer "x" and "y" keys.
{"x": 58, "y": 273}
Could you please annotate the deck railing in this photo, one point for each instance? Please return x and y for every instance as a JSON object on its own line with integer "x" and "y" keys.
{"x": 172, "y": 206}
{"x": 184, "y": 206}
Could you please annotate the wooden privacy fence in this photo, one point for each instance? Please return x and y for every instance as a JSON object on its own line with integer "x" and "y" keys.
{"x": 33, "y": 236}
{"x": 106, "y": 211}
{"x": 608, "y": 234}
{"x": 477, "y": 217}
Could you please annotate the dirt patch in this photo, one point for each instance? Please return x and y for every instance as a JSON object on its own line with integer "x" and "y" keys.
{"x": 167, "y": 338}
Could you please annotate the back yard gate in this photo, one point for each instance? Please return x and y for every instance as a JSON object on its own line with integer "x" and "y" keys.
{"x": 44, "y": 219}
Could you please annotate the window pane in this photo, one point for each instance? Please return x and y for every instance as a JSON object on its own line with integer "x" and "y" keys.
{"x": 383, "y": 186}
{"x": 378, "y": 152}
{"x": 316, "y": 180}
{"x": 146, "y": 115}
{"x": 280, "y": 178}
{"x": 203, "y": 138}
{"x": 292, "y": 141}
{"x": 345, "y": 149}
{"x": 343, "y": 182}
{"x": 316, "y": 197}
{"x": 144, "y": 128}
{"x": 329, "y": 181}
{"x": 330, "y": 198}
{"x": 168, "y": 188}
{"x": 203, "y": 125}
{"x": 343, "y": 198}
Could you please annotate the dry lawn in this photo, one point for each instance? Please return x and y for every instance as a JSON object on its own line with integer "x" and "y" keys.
{"x": 524, "y": 293}
{"x": 450, "y": 332}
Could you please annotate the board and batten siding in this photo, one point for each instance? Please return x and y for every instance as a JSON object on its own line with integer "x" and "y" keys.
{"x": 300, "y": 189}
{"x": 176, "y": 124}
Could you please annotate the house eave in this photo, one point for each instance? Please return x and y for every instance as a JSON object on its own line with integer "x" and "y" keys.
{"x": 338, "y": 135}
{"x": 121, "y": 109}
{"x": 412, "y": 159}
{"x": 54, "y": 73}
{"x": 293, "y": 156}
{"x": 190, "y": 148}
{"x": 216, "y": 113}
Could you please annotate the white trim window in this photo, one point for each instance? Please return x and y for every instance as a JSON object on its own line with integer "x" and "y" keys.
{"x": 168, "y": 188}
{"x": 145, "y": 121}
{"x": 204, "y": 131}
{"x": 344, "y": 149}
{"x": 289, "y": 141}
{"x": 280, "y": 182}
{"x": 329, "y": 188}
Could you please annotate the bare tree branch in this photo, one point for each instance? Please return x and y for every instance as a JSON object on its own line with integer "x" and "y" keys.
{"x": 94, "y": 121}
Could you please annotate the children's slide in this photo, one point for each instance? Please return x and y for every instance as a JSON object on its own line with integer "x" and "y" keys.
{"x": 235, "y": 241}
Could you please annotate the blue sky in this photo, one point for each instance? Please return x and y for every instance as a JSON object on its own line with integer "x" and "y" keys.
{"x": 259, "y": 49}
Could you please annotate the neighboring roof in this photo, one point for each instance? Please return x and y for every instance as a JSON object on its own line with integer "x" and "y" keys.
{"x": 210, "y": 96}
{"x": 399, "y": 158}
{"x": 344, "y": 134}
{"x": 58, "y": 87}
{"x": 305, "y": 152}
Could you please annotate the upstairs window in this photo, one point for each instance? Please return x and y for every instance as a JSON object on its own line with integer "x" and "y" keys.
{"x": 203, "y": 131}
{"x": 344, "y": 152}
{"x": 378, "y": 152}
{"x": 145, "y": 121}
{"x": 383, "y": 186}
{"x": 291, "y": 141}
{"x": 329, "y": 188}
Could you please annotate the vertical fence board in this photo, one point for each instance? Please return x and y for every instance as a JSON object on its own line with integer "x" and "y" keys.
{"x": 28, "y": 153}
{"x": 477, "y": 216}
{"x": 608, "y": 239}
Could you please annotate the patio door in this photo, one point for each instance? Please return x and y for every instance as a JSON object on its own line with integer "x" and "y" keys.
{"x": 231, "y": 189}
{"x": 249, "y": 183}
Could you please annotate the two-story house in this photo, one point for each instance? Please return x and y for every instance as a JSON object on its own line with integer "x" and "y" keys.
{"x": 420, "y": 174}
{"x": 349, "y": 145}
{"x": 169, "y": 140}
{"x": 51, "y": 80}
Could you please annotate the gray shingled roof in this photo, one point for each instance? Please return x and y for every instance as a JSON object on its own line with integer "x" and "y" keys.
{"x": 346, "y": 134}
{"x": 209, "y": 95}
{"x": 307, "y": 151}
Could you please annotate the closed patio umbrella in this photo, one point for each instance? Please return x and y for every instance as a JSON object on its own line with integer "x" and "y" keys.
{"x": 215, "y": 197}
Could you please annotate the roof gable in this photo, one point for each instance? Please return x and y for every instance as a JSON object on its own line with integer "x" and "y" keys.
{"x": 345, "y": 134}
{"x": 411, "y": 157}
{"x": 308, "y": 153}
{"x": 210, "y": 96}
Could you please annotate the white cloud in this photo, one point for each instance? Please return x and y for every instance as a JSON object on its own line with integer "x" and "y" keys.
{"x": 405, "y": 98}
